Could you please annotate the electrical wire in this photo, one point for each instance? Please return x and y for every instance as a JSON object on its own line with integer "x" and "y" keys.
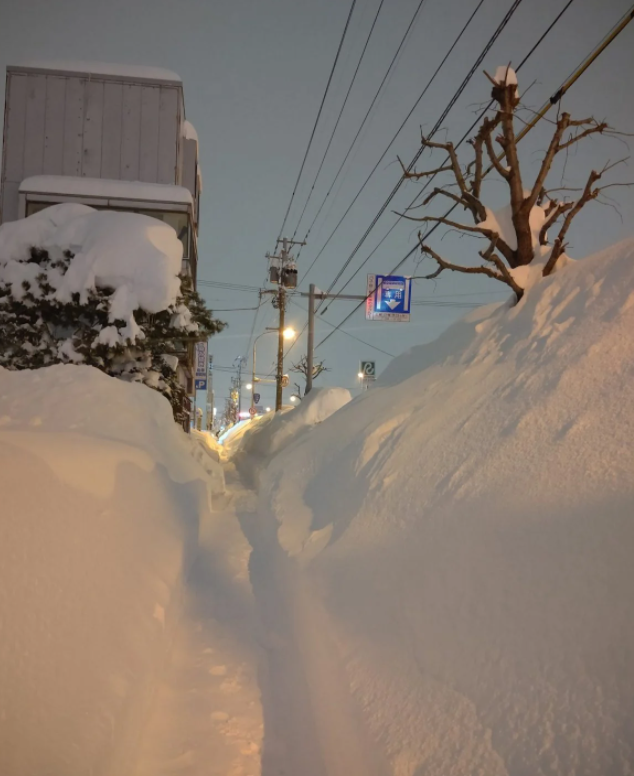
{"x": 391, "y": 143}
{"x": 457, "y": 145}
{"x": 332, "y": 135}
{"x": 553, "y": 100}
{"x": 387, "y": 75}
{"x": 347, "y": 333}
{"x": 228, "y": 286}
{"x": 515, "y": 5}
{"x": 321, "y": 107}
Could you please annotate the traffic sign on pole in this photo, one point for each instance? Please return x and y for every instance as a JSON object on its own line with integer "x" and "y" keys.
{"x": 389, "y": 298}
{"x": 256, "y": 398}
{"x": 368, "y": 370}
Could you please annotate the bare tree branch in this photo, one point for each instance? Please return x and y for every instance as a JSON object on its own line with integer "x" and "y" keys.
{"x": 488, "y": 125}
{"x": 559, "y": 209}
{"x": 559, "y": 245}
{"x": 483, "y": 231}
{"x": 415, "y": 176}
{"x": 443, "y": 264}
{"x": 593, "y": 130}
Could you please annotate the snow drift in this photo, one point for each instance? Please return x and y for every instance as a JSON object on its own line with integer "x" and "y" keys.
{"x": 265, "y": 436}
{"x": 100, "y": 500}
{"x": 469, "y": 523}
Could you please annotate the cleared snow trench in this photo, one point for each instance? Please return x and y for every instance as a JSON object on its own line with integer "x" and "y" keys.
{"x": 254, "y": 686}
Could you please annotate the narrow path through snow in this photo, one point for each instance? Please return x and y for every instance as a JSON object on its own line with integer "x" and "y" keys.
{"x": 207, "y": 719}
{"x": 255, "y": 686}
{"x": 311, "y": 724}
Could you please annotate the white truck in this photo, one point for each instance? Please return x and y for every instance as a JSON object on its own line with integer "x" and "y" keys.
{"x": 109, "y": 136}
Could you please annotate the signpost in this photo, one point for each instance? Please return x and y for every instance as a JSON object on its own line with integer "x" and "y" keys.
{"x": 368, "y": 370}
{"x": 200, "y": 377}
{"x": 256, "y": 398}
{"x": 389, "y": 298}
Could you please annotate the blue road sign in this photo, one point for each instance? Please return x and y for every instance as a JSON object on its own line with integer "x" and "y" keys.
{"x": 389, "y": 298}
{"x": 201, "y": 385}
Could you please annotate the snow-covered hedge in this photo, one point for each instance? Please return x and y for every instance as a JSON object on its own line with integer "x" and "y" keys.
{"x": 100, "y": 288}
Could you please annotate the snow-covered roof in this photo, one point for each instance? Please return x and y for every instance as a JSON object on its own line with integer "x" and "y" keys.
{"x": 103, "y": 188}
{"x": 189, "y": 131}
{"x": 125, "y": 72}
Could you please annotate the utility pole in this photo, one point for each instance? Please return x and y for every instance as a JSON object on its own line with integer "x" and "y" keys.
{"x": 285, "y": 273}
{"x": 312, "y": 296}
{"x": 210, "y": 394}
{"x": 240, "y": 359}
{"x": 311, "y": 339}
{"x": 281, "y": 305}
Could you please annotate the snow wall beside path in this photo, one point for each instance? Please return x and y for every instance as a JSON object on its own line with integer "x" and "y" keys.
{"x": 254, "y": 444}
{"x": 100, "y": 500}
{"x": 469, "y": 523}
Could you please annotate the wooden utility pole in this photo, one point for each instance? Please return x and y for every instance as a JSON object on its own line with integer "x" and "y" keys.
{"x": 286, "y": 278}
{"x": 281, "y": 303}
{"x": 311, "y": 339}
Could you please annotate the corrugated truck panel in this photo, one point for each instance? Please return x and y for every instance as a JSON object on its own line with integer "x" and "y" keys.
{"x": 54, "y": 126}
{"x": 93, "y": 128}
{"x": 148, "y": 165}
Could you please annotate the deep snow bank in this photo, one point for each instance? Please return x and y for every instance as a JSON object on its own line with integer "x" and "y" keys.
{"x": 267, "y": 435}
{"x": 470, "y": 522}
{"x": 99, "y": 501}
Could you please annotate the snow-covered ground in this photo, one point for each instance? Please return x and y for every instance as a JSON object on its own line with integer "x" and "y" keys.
{"x": 434, "y": 579}
{"x": 101, "y": 501}
{"x": 466, "y": 529}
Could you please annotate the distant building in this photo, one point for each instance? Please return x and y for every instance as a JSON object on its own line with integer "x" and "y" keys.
{"x": 108, "y": 136}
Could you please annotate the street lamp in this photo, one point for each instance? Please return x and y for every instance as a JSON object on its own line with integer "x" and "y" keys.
{"x": 289, "y": 333}
{"x": 249, "y": 387}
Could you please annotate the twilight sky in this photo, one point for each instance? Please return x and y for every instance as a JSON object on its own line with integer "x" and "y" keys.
{"x": 254, "y": 72}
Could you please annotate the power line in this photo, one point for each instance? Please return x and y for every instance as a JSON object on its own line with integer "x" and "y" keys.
{"x": 515, "y": 5}
{"x": 363, "y": 123}
{"x": 233, "y": 309}
{"x": 321, "y": 107}
{"x": 553, "y": 100}
{"x": 458, "y": 144}
{"x": 385, "y": 152}
{"x": 358, "y": 339}
{"x": 228, "y": 286}
{"x": 345, "y": 101}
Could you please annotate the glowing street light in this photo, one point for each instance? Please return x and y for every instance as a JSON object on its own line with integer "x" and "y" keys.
{"x": 360, "y": 375}
{"x": 293, "y": 399}
{"x": 248, "y": 386}
{"x": 268, "y": 409}
{"x": 289, "y": 333}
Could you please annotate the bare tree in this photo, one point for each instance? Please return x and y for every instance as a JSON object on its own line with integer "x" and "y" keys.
{"x": 515, "y": 247}
{"x": 302, "y": 367}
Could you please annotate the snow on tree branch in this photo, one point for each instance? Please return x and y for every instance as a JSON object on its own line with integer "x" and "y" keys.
{"x": 518, "y": 233}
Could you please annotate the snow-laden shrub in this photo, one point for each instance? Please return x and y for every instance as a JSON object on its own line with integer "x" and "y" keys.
{"x": 100, "y": 289}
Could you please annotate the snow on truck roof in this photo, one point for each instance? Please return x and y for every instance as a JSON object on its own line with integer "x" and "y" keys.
{"x": 119, "y": 71}
{"x": 104, "y": 188}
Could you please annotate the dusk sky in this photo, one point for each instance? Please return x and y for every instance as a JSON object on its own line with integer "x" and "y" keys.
{"x": 254, "y": 73}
